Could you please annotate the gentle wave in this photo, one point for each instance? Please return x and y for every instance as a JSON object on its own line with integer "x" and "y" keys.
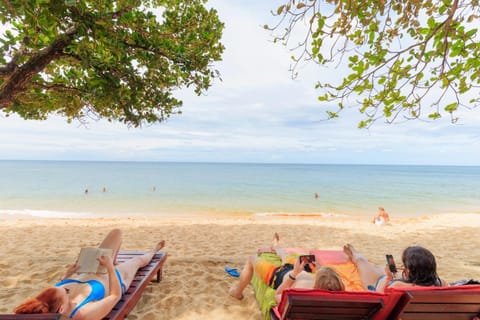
{"x": 48, "y": 214}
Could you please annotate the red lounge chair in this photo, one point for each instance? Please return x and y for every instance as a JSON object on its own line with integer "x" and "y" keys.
{"x": 338, "y": 305}
{"x": 129, "y": 299}
{"x": 439, "y": 303}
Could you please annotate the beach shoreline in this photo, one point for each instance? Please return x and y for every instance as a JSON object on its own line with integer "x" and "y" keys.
{"x": 35, "y": 252}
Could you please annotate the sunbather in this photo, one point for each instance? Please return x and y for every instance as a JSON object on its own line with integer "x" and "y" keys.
{"x": 90, "y": 295}
{"x": 291, "y": 273}
{"x": 382, "y": 217}
{"x": 419, "y": 269}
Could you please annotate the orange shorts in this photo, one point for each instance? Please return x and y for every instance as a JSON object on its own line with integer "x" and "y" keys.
{"x": 264, "y": 269}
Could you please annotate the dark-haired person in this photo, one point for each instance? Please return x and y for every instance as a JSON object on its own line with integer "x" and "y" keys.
{"x": 90, "y": 296}
{"x": 419, "y": 269}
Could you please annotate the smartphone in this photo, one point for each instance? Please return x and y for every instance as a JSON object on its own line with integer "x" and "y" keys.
{"x": 391, "y": 263}
{"x": 309, "y": 258}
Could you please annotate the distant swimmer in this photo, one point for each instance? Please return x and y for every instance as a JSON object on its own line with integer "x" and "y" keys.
{"x": 316, "y": 195}
{"x": 86, "y": 191}
{"x": 382, "y": 217}
{"x": 104, "y": 189}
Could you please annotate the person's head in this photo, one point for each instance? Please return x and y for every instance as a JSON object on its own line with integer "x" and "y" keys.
{"x": 420, "y": 266}
{"x": 49, "y": 300}
{"x": 327, "y": 278}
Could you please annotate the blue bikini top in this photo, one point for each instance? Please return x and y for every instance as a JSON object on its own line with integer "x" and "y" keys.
{"x": 97, "y": 293}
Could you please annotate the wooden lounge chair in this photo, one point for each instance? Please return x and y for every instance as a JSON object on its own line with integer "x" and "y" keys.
{"x": 323, "y": 304}
{"x": 139, "y": 283}
{"x": 459, "y": 303}
{"x": 43, "y": 316}
{"x": 129, "y": 299}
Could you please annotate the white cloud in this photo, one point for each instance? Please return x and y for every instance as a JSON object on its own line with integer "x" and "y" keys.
{"x": 256, "y": 114}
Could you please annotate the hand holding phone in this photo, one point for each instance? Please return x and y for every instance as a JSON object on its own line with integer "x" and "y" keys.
{"x": 391, "y": 263}
{"x": 307, "y": 260}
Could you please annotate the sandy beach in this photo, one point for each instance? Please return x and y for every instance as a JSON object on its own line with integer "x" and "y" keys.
{"x": 35, "y": 252}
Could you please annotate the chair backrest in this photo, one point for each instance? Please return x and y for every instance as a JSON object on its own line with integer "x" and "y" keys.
{"x": 305, "y": 307}
{"x": 462, "y": 303}
{"x": 343, "y": 305}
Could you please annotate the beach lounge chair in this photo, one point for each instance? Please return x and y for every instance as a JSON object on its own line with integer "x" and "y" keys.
{"x": 456, "y": 302}
{"x": 339, "y": 305}
{"x": 129, "y": 299}
{"x": 322, "y": 304}
{"x": 44, "y": 316}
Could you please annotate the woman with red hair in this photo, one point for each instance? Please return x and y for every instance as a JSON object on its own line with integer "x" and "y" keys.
{"x": 90, "y": 295}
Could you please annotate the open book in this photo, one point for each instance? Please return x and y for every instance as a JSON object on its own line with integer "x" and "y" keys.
{"x": 87, "y": 260}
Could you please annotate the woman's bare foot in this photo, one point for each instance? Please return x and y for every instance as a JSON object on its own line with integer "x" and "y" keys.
{"x": 233, "y": 292}
{"x": 159, "y": 246}
{"x": 350, "y": 251}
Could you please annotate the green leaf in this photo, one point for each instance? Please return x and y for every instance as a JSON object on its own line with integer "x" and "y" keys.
{"x": 125, "y": 68}
{"x": 451, "y": 107}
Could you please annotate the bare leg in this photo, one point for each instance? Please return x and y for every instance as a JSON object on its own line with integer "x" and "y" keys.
{"x": 278, "y": 250}
{"x": 369, "y": 273}
{"x": 113, "y": 240}
{"x": 129, "y": 268}
{"x": 246, "y": 275}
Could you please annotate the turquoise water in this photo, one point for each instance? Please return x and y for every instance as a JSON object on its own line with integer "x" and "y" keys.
{"x": 57, "y": 188}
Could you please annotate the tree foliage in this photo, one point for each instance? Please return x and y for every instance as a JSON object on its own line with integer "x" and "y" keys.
{"x": 406, "y": 59}
{"x": 122, "y": 60}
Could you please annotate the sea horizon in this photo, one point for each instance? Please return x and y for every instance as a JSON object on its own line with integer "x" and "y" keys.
{"x": 77, "y": 188}
{"x": 244, "y": 162}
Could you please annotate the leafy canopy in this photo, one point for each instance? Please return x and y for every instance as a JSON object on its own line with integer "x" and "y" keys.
{"x": 406, "y": 59}
{"x": 112, "y": 59}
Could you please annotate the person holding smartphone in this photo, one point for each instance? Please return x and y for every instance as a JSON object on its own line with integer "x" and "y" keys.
{"x": 419, "y": 269}
{"x": 294, "y": 272}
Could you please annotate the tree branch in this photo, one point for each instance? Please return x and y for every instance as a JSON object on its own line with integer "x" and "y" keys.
{"x": 18, "y": 79}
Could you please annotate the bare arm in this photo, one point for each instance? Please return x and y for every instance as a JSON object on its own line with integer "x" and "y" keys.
{"x": 96, "y": 310}
{"x": 289, "y": 279}
{"x": 70, "y": 271}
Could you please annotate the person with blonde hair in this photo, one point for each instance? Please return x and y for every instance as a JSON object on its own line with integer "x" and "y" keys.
{"x": 325, "y": 278}
{"x": 292, "y": 273}
{"x": 328, "y": 279}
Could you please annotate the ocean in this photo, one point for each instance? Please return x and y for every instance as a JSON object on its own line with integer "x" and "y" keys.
{"x": 139, "y": 189}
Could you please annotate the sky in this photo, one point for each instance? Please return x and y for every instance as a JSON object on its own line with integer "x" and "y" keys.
{"x": 256, "y": 113}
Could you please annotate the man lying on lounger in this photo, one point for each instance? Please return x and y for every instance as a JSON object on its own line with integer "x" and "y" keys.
{"x": 294, "y": 272}
{"x": 90, "y": 295}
